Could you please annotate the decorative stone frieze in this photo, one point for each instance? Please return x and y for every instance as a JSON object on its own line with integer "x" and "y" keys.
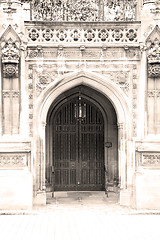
{"x": 108, "y": 34}
{"x": 132, "y": 52}
{"x": 82, "y": 10}
{"x": 35, "y": 52}
{"x": 153, "y": 93}
{"x": 13, "y": 160}
{"x": 9, "y": 94}
{"x": 149, "y": 159}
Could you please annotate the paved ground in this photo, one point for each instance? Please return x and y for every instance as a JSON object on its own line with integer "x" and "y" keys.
{"x": 87, "y": 216}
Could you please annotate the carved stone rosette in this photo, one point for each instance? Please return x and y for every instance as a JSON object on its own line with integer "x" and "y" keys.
{"x": 10, "y": 59}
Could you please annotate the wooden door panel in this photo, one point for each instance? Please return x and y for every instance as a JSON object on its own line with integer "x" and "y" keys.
{"x": 78, "y": 149}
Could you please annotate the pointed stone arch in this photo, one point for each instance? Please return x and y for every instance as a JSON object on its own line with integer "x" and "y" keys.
{"x": 154, "y": 34}
{"x": 108, "y": 89}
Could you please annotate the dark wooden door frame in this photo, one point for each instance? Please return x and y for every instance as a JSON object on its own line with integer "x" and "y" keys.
{"x": 86, "y": 171}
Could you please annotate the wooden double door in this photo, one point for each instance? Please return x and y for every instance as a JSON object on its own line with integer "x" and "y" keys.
{"x": 78, "y": 146}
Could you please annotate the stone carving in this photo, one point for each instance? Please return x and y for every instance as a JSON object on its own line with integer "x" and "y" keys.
{"x": 89, "y": 34}
{"x": 117, "y": 34}
{"x": 103, "y": 34}
{"x": 10, "y": 52}
{"x": 83, "y": 35}
{"x": 35, "y": 52}
{"x": 10, "y": 70}
{"x": 153, "y": 93}
{"x": 6, "y": 94}
{"x": 15, "y": 94}
{"x": 131, "y": 34}
{"x": 132, "y": 52}
{"x": 119, "y": 10}
{"x": 148, "y": 1}
{"x": 154, "y": 70}
{"x": 12, "y": 160}
{"x": 150, "y": 159}
{"x": 84, "y": 10}
{"x": 47, "y": 34}
{"x": 9, "y": 9}
{"x": 10, "y": 58}
{"x": 43, "y": 80}
{"x": 30, "y": 100}
{"x": 33, "y": 34}
{"x": 153, "y": 53}
{"x": 156, "y": 9}
{"x": 75, "y": 35}
{"x": 61, "y": 34}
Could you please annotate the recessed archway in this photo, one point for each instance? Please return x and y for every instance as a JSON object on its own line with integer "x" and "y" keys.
{"x": 82, "y": 152}
{"x": 112, "y": 93}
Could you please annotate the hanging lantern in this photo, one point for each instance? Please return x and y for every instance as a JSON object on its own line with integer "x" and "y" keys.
{"x": 80, "y": 109}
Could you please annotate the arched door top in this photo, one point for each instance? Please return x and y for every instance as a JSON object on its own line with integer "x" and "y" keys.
{"x": 105, "y": 86}
{"x": 76, "y": 139}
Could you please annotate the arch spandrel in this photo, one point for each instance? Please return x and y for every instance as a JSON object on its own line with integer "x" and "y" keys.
{"x": 105, "y": 86}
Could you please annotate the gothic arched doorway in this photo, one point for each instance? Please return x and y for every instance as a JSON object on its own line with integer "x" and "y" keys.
{"x": 81, "y": 126}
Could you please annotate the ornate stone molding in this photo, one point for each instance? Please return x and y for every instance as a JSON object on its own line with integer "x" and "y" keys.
{"x": 149, "y": 159}
{"x": 13, "y": 160}
{"x": 153, "y": 93}
{"x": 148, "y": 1}
{"x": 108, "y": 34}
{"x": 8, "y": 94}
{"x": 30, "y": 100}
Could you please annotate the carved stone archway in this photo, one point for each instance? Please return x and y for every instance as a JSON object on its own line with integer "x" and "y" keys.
{"x": 119, "y": 101}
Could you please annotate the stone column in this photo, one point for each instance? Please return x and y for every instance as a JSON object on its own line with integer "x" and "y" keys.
{"x": 142, "y": 118}
{"x": 121, "y": 156}
{"x": 24, "y": 129}
{"x": 40, "y": 191}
